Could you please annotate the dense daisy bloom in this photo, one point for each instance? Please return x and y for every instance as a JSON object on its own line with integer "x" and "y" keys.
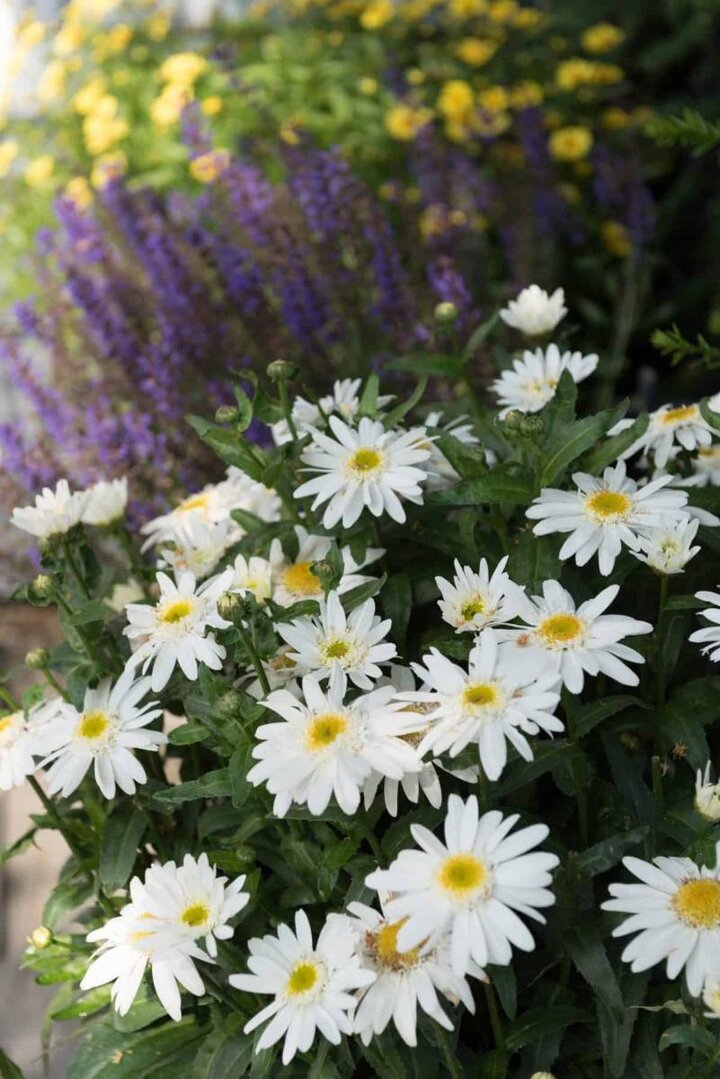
{"x": 174, "y": 631}
{"x": 604, "y": 514}
{"x": 675, "y": 911}
{"x": 104, "y": 736}
{"x": 706, "y": 465}
{"x": 533, "y": 379}
{"x": 293, "y": 579}
{"x": 312, "y": 985}
{"x": 668, "y": 550}
{"x": 107, "y": 502}
{"x": 325, "y": 746}
{"x": 475, "y": 600}
{"x": 197, "y": 546}
{"x": 669, "y": 426}
{"x": 707, "y": 795}
{"x": 403, "y": 980}
{"x": 496, "y": 701}
{"x": 191, "y": 900}
{"x": 253, "y": 575}
{"x": 345, "y": 399}
{"x": 354, "y": 644}
{"x": 368, "y": 468}
{"x": 534, "y": 312}
{"x": 577, "y": 641}
{"x": 470, "y": 886}
{"x": 54, "y": 512}
{"x": 710, "y": 635}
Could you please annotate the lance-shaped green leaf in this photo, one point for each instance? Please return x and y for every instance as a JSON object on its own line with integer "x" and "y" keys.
{"x": 571, "y": 440}
{"x": 503, "y": 485}
{"x": 609, "y": 449}
{"x": 123, "y": 831}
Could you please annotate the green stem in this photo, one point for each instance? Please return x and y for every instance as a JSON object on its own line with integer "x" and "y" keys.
{"x": 580, "y": 790}
{"x": 256, "y": 661}
{"x": 52, "y": 812}
{"x": 495, "y": 1022}
{"x": 76, "y": 571}
{"x": 287, "y": 411}
{"x": 372, "y": 841}
{"x": 659, "y": 672}
{"x": 52, "y": 681}
{"x": 10, "y": 701}
{"x": 134, "y": 558}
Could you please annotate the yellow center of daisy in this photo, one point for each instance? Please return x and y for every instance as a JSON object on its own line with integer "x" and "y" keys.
{"x": 364, "y": 461}
{"x": 93, "y": 725}
{"x": 140, "y": 934}
{"x": 196, "y": 915}
{"x": 697, "y": 903}
{"x": 324, "y": 730}
{"x": 337, "y": 649}
{"x": 384, "y": 950}
{"x": 175, "y": 612}
{"x": 481, "y": 695}
{"x": 7, "y": 721}
{"x": 609, "y": 505}
{"x": 709, "y": 451}
{"x": 301, "y": 580}
{"x": 561, "y": 628}
{"x": 679, "y": 415}
{"x": 194, "y": 502}
{"x": 303, "y": 978}
{"x": 474, "y": 606}
{"x": 462, "y": 875}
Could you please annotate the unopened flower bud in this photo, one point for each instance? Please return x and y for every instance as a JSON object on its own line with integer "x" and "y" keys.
{"x": 226, "y": 414}
{"x": 531, "y": 426}
{"x": 446, "y": 311}
{"x": 231, "y": 606}
{"x": 37, "y": 659}
{"x": 281, "y": 371}
{"x": 229, "y": 704}
{"x": 707, "y": 795}
{"x": 40, "y": 937}
{"x": 41, "y": 588}
{"x": 514, "y": 419}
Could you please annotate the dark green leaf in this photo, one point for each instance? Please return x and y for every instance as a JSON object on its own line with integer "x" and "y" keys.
{"x": 121, "y": 838}
{"x": 479, "y": 335}
{"x": 503, "y": 485}
{"x": 244, "y": 407}
{"x": 225, "y": 1053}
{"x": 608, "y": 852}
{"x": 699, "y": 1038}
{"x": 238, "y": 766}
{"x": 539, "y": 1022}
{"x": 106, "y": 1053}
{"x": 395, "y": 415}
{"x": 609, "y": 449}
{"x": 65, "y": 897}
{"x": 589, "y": 715}
{"x": 212, "y": 785}
{"x": 587, "y": 951}
{"x": 396, "y": 602}
{"x": 8, "y": 1069}
{"x": 505, "y": 983}
{"x": 188, "y": 734}
{"x": 573, "y": 439}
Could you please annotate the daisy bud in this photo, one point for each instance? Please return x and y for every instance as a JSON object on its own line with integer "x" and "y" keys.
{"x": 37, "y": 659}
{"x": 530, "y": 426}
{"x": 514, "y": 419}
{"x": 229, "y": 705}
{"x": 40, "y": 937}
{"x": 226, "y": 414}
{"x": 707, "y": 795}
{"x": 326, "y": 574}
{"x": 446, "y": 312}
{"x": 41, "y": 589}
{"x": 281, "y": 371}
{"x": 231, "y": 606}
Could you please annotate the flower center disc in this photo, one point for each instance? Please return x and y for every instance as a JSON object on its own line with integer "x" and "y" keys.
{"x": 8, "y": 722}
{"x": 300, "y": 580}
{"x": 697, "y": 903}
{"x": 303, "y": 978}
{"x": 474, "y": 606}
{"x": 384, "y": 949}
{"x": 337, "y": 649}
{"x": 463, "y": 875}
{"x": 194, "y": 502}
{"x": 176, "y": 611}
{"x": 678, "y": 415}
{"x": 195, "y": 915}
{"x": 324, "y": 730}
{"x": 560, "y": 629}
{"x": 609, "y": 506}
{"x": 93, "y": 725}
{"x": 364, "y": 461}
{"x": 481, "y": 695}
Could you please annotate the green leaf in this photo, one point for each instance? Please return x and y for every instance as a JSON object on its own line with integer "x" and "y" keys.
{"x": 502, "y": 485}
{"x": 106, "y": 1053}
{"x": 548, "y": 758}
{"x": 212, "y": 785}
{"x": 608, "y": 852}
{"x": 121, "y": 838}
{"x": 11, "y": 850}
{"x": 590, "y": 715}
{"x": 92, "y": 611}
{"x": 225, "y": 1053}
{"x": 393, "y": 418}
{"x": 87, "y": 1004}
{"x": 65, "y": 897}
{"x": 539, "y": 1022}
{"x": 505, "y": 983}
{"x": 396, "y": 603}
{"x": 238, "y": 766}
{"x": 573, "y": 439}
{"x": 533, "y": 560}
{"x": 244, "y": 407}
{"x": 8, "y": 1069}
{"x": 711, "y": 417}
{"x": 699, "y": 1038}
{"x": 187, "y": 734}
{"x": 358, "y": 595}
{"x": 436, "y": 364}
{"x": 367, "y": 406}
{"x": 587, "y": 952}
{"x": 479, "y": 335}
{"x": 609, "y": 450}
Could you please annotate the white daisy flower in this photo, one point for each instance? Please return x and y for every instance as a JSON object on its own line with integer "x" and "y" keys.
{"x": 675, "y": 911}
{"x": 668, "y": 550}
{"x": 533, "y": 379}
{"x": 707, "y": 795}
{"x": 312, "y": 985}
{"x": 470, "y": 886}
{"x": 174, "y": 631}
{"x": 354, "y": 644}
{"x": 668, "y": 426}
{"x": 534, "y": 312}
{"x": 475, "y": 600}
{"x": 344, "y": 399}
{"x": 104, "y": 735}
{"x": 293, "y": 579}
{"x": 496, "y": 701}
{"x": 577, "y": 641}
{"x": 253, "y": 575}
{"x": 440, "y": 471}
{"x": 22, "y": 738}
{"x": 325, "y": 746}
{"x": 706, "y": 465}
{"x": 709, "y": 637}
{"x": 197, "y": 546}
{"x": 107, "y": 502}
{"x": 604, "y": 514}
{"x": 368, "y": 468}
{"x": 191, "y": 900}
{"x": 54, "y": 513}
{"x": 403, "y": 980}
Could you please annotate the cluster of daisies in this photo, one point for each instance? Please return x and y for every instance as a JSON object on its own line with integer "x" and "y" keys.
{"x": 347, "y": 720}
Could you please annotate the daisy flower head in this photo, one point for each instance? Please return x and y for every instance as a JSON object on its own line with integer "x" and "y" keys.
{"x": 54, "y": 513}
{"x": 496, "y": 701}
{"x": 210, "y": 505}
{"x": 325, "y": 746}
{"x": 344, "y": 400}
{"x": 312, "y": 985}
{"x": 253, "y": 575}
{"x": 668, "y": 550}
{"x": 534, "y": 312}
{"x": 293, "y": 579}
{"x": 668, "y": 428}
{"x": 197, "y": 546}
{"x": 470, "y": 886}
{"x": 107, "y": 502}
{"x": 20, "y": 741}
{"x": 476, "y": 599}
{"x": 675, "y": 912}
{"x": 403, "y": 980}
{"x": 173, "y": 632}
{"x": 706, "y": 465}
{"x": 707, "y": 795}
{"x": 104, "y": 735}
{"x": 603, "y": 515}
{"x": 709, "y": 636}
{"x": 364, "y": 468}
{"x": 575, "y": 641}
{"x": 333, "y": 641}
{"x": 533, "y": 379}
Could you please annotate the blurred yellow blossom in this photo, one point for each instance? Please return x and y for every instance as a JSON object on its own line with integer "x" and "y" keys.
{"x": 376, "y": 14}
{"x": 502, "y": 11}
{"x": 157, "y": 26}
{"x": 289, "y": 133}
{"x": 475, "y": 50}
{"x": 607, "y": 74}
{"x": 494, "y": 99}
{"x": 415, "y": 76}
{"x": 456, "y": 99}
{"x": 51, "y": 85}
{"x": 79, "y": 192}
{"x": 335, "y": 38}
{"x": 183, "y": 68}
{"x": 571, "y": 74}
{"x": 525, "y": 95}
{"x": 527, "y": 18}
{"x": 207, "y": 167}
{"x": 616, "y": 238}
{"x": 432, "y": 221}
{"x": 368, "y": 85}
{"x": 167, "y": 107}
{"x": 212, "y": 105}
{"x": 121, "y": 78}
{"x": 108, "y": 167}
{"x": 115, "y": 41}
{"x": 30, "y": 33}
{"x": 68, "y": 39}
{"x": 102, "y": 127}
{"x": 615, "y": 118}
{"x": 570, "y": 143}
{"x": 9, "y": 150}
{"x": 465, "y": 9}
{"x": 87, "y": 97}
{"x": 404, "y": 121}
{"x": 602, "y": 37}
{"x": 39, "y": 171}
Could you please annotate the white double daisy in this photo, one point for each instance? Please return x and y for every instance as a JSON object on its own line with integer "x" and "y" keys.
{"x": 668, "y": 550}
{"x": 54, "y": 512}
{"x": 534, "y": 312}
{"x": 344, "y": 399}
{"x": 476, "y": 599}
{"x": 107, "y": 502}
{"x": 533, "y": 379}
